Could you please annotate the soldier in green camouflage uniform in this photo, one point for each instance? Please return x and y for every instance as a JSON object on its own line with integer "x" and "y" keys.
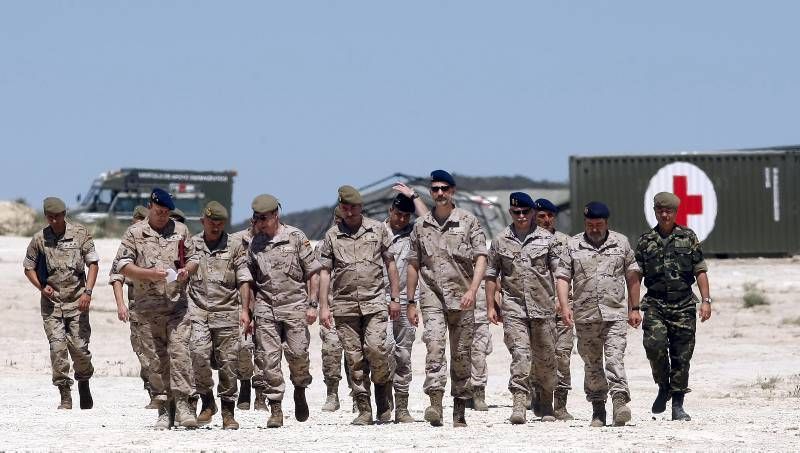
{"x": 55, "y": 263}
{"x": 671, "y": 259}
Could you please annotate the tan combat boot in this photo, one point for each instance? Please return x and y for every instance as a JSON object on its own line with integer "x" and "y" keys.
{"x": 332, "y": 398}
{"x": 382, "y": 403}
{"x": 479, "y": 399}
{"x": 208, "y": 409}
{"x": 276, "y": 416}
{"x": 560, "y": 405}
{"x": 228, "y": 422}
{"x": 459, "y": 419}
{"x": 260, "y": 401}
{"x": 364, "y": 410}
{"x": 183, "y": 415}
{"x": 85, "y": 394}
{"x": 519, "y": 400}
{"x": 243, "y": 402}
{"x": 154, "y": 403}
{"x": 598, "y": 414}
{"x": 621, "y": 411}
{"x": 546, "y": 405}
{"x": 433, "y": 413}
{"x": 401, "y": 414}
{"x": 162, "y": 423}
{"x": 66, "y": 397}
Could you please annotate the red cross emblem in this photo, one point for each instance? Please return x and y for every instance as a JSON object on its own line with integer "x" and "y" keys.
{"x": 690, "y": 204}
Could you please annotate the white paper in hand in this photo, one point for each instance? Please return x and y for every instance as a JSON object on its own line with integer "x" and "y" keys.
{"x": 171, "y": 275}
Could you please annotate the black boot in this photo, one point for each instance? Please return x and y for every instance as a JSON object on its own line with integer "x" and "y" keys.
{"x": 677, "y": 408}
{"x": 243, "y": 402}
{"x": 85, "y": 394}
{"x": 300, "y": 404}
{"x": 382, "y": 406}
{"x": 660, "y": 403}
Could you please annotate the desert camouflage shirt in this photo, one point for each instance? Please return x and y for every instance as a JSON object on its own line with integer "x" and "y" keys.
{"x": 401, "y": 246}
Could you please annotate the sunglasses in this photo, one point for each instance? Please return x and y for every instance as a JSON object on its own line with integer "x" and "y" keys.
{"x": 435, "y": 189}
{"x": 520, "y": 211}
{"x": 261, "y": 217}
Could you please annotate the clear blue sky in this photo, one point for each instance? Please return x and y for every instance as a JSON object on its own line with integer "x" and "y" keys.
{"x": 301, "y": 97}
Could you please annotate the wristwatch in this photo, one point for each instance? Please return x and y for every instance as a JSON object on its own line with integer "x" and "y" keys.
{"x": 414, "y": 196}
{"x": 313, "y": 303}
{"x": 395, "y": 299}
{"x": 87, "y": 291}
{"x": 636, "y": 308}
{"x": 412, "y": 301}
{"x": 707, "y": 300}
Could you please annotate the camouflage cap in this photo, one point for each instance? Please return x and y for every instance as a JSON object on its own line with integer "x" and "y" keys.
{"x": 264, "y": 203}
{"x": 666, "y": 200}
{"x": 215, "y": 211}
{"x": 140, "y": 212}
{"x": 349, "y": 195}
{"x": 53, "y": 205}
{"x": 177, "y": 214}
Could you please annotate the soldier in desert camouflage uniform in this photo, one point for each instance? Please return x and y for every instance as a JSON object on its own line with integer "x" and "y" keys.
{"x": 481, "y": 348}
{"x": 245, "y": 369}
{"x": 600, "y": 265}
{"x": 671, "y": 259}
{"x": 524, "y": 257}
{"x": 55, "y": 263}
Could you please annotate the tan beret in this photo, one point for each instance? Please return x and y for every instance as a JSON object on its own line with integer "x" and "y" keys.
{"x": 140, "y": 212}
{"x": 666, "y": 200}
{"x": 53, "y": 205}
{"x": 265, "y": 203}
{"x": 349, "y": 195}
{"x": 215, "y": 211}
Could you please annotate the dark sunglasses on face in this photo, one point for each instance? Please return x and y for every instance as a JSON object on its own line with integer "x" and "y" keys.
{"x": 520, "y": 211}
{"x": 435, "y": 189}
{"x": 260, "y": 217}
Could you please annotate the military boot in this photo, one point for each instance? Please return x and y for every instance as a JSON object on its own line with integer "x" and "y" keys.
{"x": 243, "y": 403}
{"x": 66, "y": 397}
{"x": 382, "y": 406}
{"x": 193, "y": 403}
{"x": 85, "y": 394}
{"x": 260, "y": 401}
{"x": 364, "y": 410}
{"x": 183, "y": 415}
{"x": 479, "y": 399}
{"x": 518, "y": 409}
{"x": 332, "y": 398}
{"x": 660, "y": 403}
{"x": 401, "y": 414}
{"x": 300, "y": 404}
{"x": 621, "y": 411}
{"x": 171, "y": 411}
{"x": 208, "y": 409}
{"x": 433, "y": 413}
{"x": 162, "y": 423}
{"x": 154, "y": 403}
{"x": 228, "y": 422}
{"x": 276, "y": 416}
{"x": 459, "y": 419}
{"x": 560, "y": 405}
{"x": 677, "y": 408}
{"x": 598, "y": 414}
{"x": 546, "y": 406}
{"x": 535, "y": 405}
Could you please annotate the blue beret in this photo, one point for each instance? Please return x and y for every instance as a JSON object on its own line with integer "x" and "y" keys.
{"x": 543, "y": 204}
{"x": 596, "y": 210}
{"x": 520, "y": 200}
{"x": 442, "y": 176}
{"x": 163, "y": 198}
{"x": 403, "y": 204}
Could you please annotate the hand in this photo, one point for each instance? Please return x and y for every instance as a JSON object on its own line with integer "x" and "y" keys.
{"x": 468, "y": 300}
{"x": 634, "y": 318}
{"x": 411, "y": 313}
{"x": 403, "y": 189}
{"x": 48, "y": 292}
{"x": 183, "y": 275}
{"x": 247, "y": 325}
{"x": 326, "y": 317}
{"x": 84, "y": 301}
{"x": 158, "y": 274}
{"x": 705, "y": 311}
{"x": 494, "y": 314}
{"x": 394, "y": 310}
{"x": 566, "y": 316}
{"x": 122, "y": 313}
{"x": 311, "y": 315}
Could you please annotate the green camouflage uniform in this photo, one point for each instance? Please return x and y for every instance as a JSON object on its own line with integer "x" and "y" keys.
{"x": 669, "y": 267}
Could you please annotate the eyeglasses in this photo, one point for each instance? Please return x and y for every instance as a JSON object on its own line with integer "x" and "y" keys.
{"x": 262, "y": 217}
{"x": 520, "y": 211}
{"x": 435, "y": 189}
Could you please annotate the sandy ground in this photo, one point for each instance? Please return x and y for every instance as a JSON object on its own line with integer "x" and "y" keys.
{"x": 746, "y": 386}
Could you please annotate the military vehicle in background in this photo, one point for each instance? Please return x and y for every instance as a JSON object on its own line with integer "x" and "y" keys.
{"x": 114, "y": 194}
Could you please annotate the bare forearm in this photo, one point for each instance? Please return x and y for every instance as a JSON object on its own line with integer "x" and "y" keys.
{"x": 702, "y": 285}
{"x": 91, "y": 279}
{"x": 411, "y": 279}
{"x": 394, "y": 279}
{"x": 244, "y": 294}
{"x": 491, "y": 289}
{"x": 313, "y": 287}
{"x": 117, "y": 288}
{"x": 33, "y": 278}
{"x": 324, "y": 286}
{"x": 480, "y": 271}
{"x": 562, "y": 291}
{"x": 634, "y": 289}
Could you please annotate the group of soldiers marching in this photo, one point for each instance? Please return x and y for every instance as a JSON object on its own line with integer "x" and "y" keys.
{"x": 242, "y": 302}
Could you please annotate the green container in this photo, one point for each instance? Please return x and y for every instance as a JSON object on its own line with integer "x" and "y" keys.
{"x": 740, "y": 203}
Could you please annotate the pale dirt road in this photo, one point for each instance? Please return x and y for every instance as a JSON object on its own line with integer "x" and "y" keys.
{"x": 746, "y": 387}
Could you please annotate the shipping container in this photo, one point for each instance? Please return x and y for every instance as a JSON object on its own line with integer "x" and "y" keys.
{"x": 740, "y": 203}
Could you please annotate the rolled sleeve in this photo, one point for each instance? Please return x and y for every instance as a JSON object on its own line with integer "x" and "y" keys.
{"x": 493, "y": 261}
{"x": 31, "y": 256}
{"x": 308, "y": 259}
{"x": 240, "y": 263}
{"x": 413, "y": 254}
{"x": 631, "y": 265}
{"x": 478, "y": 240}
{"x": 88, "y": 251}
{"x": 564, "y": 269}
{"x": 326, "y": 253}
{"x": 126, "y": 254}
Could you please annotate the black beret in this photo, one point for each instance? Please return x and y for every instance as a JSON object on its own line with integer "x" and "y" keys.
{"x": 163, "y": 198}
{"x": 596, "y": 210}
{"x": 403, "y": 204}
{"x": 543, "y": 204}
{"x": 520, "y": 200}
{"x": 442, "y": 176}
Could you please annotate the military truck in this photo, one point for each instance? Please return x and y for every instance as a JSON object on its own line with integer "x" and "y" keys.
{"x": 114, "y": 194}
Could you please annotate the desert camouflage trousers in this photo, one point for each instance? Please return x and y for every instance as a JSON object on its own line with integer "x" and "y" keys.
{"x": 276, "y": 339}
{"x": 481, "y": 348}
{"x": 669, "y": 338}
{"x": 69, "y": 336}
{"x": 531, "y": 343}
{"x": 366, "y": 349}
{"x": 223, "y": 344}
{"x": 331, "y": 355}
{"x": 136, "y": 345}
{"x": 459, "y": 325}
{"x": 401, "y": 337}
{"x": 598, "y": 342}
{"x": 165, "y": 344}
